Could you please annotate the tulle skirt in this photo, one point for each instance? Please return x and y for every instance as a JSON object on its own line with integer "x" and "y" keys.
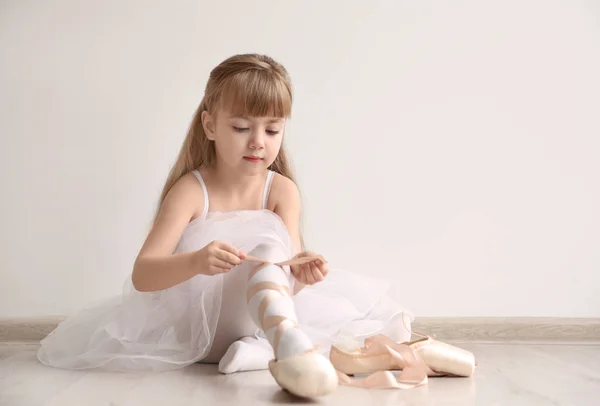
{"x": 173, "y": 328}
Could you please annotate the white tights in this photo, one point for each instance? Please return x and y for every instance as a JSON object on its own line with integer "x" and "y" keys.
{"x": 236, "y": 329}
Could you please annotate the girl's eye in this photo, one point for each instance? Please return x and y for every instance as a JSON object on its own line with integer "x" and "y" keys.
{"x": 244, "y": 129}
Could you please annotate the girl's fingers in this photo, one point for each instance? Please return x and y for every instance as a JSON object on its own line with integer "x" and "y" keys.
{"x": 231, "y": 249}
{"x": 219, "y": 263}
{"x": 317, "y": 275}
{"x": 228, "y": 257}
{"x": 297, "y": 272}
{"x": 305, "y": 254}
{"x": 323, "y": 268}
{"x": 215, "y": 270}
{"x": 309, "y": 275}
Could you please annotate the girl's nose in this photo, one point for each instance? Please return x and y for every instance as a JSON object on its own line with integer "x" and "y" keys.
{"x": 256, "y": 140}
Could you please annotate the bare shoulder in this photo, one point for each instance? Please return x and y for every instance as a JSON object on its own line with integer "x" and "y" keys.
{"x": 183, "y": 202}
{"x": 186, "y": 193}
{"x": 284, "y": 193}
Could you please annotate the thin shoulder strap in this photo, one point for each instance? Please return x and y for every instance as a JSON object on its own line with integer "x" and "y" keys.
{"x": 267, "y": 189}
{"x": 199, "y": 177}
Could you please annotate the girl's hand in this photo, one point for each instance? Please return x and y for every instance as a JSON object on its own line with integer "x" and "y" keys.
{"x": 217, "y": 257}
{"x": 311, "y": 272}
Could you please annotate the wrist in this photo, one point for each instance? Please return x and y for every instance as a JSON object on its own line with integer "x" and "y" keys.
{"x": 195, "y": 264}
{"x": 298, "y": 286}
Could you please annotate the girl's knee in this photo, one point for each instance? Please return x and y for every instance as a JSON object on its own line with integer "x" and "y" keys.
{"x": 269, "y": 252}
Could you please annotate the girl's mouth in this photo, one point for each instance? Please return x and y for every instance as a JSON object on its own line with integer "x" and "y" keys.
{"x": 252, "y": 159}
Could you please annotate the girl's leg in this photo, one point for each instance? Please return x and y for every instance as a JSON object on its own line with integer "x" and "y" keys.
{"x": 271, "y": 307}
{"x": 254, "y": 353}
{"x": 234, "y": 320}
{"x": 296, "y": 368}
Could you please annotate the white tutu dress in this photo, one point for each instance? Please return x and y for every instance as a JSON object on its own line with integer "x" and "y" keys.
{"x": 173, "y": 328}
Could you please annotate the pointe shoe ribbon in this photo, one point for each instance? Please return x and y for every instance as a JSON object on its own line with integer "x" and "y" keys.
{"x": 417, "y": 361}
{"x": 377, "y": 350}
{"x": 295, "y": 261}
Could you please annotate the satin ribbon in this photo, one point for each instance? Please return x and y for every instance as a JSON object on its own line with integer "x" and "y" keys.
{"x": 414, "y": 371}
{"x": 295, "y": 261}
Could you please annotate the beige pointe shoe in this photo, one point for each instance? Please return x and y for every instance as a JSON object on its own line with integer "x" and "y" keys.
{"x": 306, "y": 375}
{"x": 417, "y": 360}
{"x": 444, "y": 359}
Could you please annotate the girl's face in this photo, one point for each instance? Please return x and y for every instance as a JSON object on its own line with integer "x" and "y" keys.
{"x": 247, "y": 144}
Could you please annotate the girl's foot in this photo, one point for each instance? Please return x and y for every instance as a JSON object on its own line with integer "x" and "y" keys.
{"x": 246, "y": 354}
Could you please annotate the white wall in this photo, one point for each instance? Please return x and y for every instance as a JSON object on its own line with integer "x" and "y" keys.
{"x": 456, "y": 143}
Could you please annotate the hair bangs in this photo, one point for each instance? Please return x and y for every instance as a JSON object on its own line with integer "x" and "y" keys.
{"x": 257, "y": 93}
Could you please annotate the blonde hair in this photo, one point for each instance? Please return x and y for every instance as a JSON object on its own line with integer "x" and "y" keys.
{"x": 249, "y": 85}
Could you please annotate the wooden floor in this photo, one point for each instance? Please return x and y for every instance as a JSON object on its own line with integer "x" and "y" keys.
{"x": 508, "y": 374}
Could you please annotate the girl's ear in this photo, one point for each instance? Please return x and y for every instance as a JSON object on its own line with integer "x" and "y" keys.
{"x": 209, "y": 125}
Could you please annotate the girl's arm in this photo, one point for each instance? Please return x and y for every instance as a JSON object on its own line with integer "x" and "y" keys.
{"x": 156, "y": 268}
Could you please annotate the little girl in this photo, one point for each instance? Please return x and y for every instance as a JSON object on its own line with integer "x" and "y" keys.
{"x": 194, "y": 295}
